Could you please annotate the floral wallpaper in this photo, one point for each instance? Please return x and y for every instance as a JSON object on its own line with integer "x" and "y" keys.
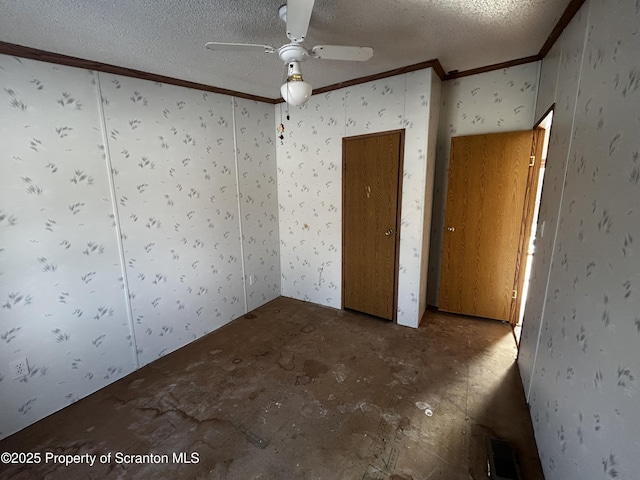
{"x": 497, "y": 101}
{"x": 309, "y": 199}
{"x": 61, "y": 286}
{"x": 582, "y": 363}
{"x": 310, "y": 184}
{"x": 174, "y": 173}
{"x": 564, "y": 93}
{"x": 257, "y": 177}
{"x": 122, "y": 205}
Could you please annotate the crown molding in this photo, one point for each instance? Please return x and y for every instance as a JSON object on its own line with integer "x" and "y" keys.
{"x": 57, "y": 58}
{"x": 50, "y": 57}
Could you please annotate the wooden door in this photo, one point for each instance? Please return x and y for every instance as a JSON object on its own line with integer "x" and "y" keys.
{"x": 372, "y": 169}
{"x": 484, "y": 210}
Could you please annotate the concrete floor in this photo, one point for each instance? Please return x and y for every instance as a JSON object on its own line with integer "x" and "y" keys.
{"x": 298, "y": 391}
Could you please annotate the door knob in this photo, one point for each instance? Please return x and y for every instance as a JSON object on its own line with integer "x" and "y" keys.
{"x": 451, "y": 229}
{"x": 388, "y": 233}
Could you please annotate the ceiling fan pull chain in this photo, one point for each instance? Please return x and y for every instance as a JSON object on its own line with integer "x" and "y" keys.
{"x": 280, "y": 129}
{"x": 281, "y": 133}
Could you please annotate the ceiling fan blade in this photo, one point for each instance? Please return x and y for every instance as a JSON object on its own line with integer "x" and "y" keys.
{"x": 239, "y": 47}
{"x": 298, "y": 17}
{"x": 340, "y": 52}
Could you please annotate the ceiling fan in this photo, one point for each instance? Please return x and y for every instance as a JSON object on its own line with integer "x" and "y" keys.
{"x": 297, "y": 14}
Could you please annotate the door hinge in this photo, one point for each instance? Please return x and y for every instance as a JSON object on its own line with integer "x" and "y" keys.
{"x": 532, "y": 161}
{"x": 514, "y": 294}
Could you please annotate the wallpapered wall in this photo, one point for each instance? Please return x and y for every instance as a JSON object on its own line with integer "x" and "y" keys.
{"x": 310, "y": 183}
{"x": 60, "y": 275}
{"x": 560, "y": 73}
{"x": 498, "y": 101}
{"x": 579, "y": 353}
{"x": 191, "y": 171}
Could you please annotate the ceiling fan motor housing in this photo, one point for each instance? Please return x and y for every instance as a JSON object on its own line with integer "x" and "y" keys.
{"x": 293, "y": 52}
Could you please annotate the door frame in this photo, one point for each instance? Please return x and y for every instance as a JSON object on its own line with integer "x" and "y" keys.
{"x": 526, "y": 223}
{"x": 396, "y": 268}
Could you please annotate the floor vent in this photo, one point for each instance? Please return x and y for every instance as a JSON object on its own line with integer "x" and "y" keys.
{"x": 502, "y": 460}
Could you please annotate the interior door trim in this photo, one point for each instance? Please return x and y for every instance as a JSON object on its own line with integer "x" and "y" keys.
{"x": 526, "y": 224}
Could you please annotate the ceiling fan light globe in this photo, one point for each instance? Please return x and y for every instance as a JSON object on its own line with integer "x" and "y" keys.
{"x": 296, "y": 92}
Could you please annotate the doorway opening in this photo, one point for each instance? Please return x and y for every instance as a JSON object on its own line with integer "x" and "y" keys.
{"x": 545, "y": 124}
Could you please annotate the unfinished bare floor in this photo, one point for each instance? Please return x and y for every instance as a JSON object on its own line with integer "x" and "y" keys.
{"x": 298, "y": 391}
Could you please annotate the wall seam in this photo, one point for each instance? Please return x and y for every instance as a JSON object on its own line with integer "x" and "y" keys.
{"x": 402, "y": 210}
{"x": 564, "y": 179}
{"x": 345, "y": 100}
{"x": 276, "y": 123}
{"x": 423, "y": 197}
{"x": 116, "y": 217}
{"x": 238, "y": 197}
{"x": 535, "y": 102}
{"x": 555, "y": 86}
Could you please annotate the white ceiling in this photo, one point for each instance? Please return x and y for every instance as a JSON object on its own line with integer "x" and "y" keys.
{"x": 167, "y": 37}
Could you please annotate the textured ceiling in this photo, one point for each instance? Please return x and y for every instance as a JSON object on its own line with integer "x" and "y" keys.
{"x": 167, "y": 37}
